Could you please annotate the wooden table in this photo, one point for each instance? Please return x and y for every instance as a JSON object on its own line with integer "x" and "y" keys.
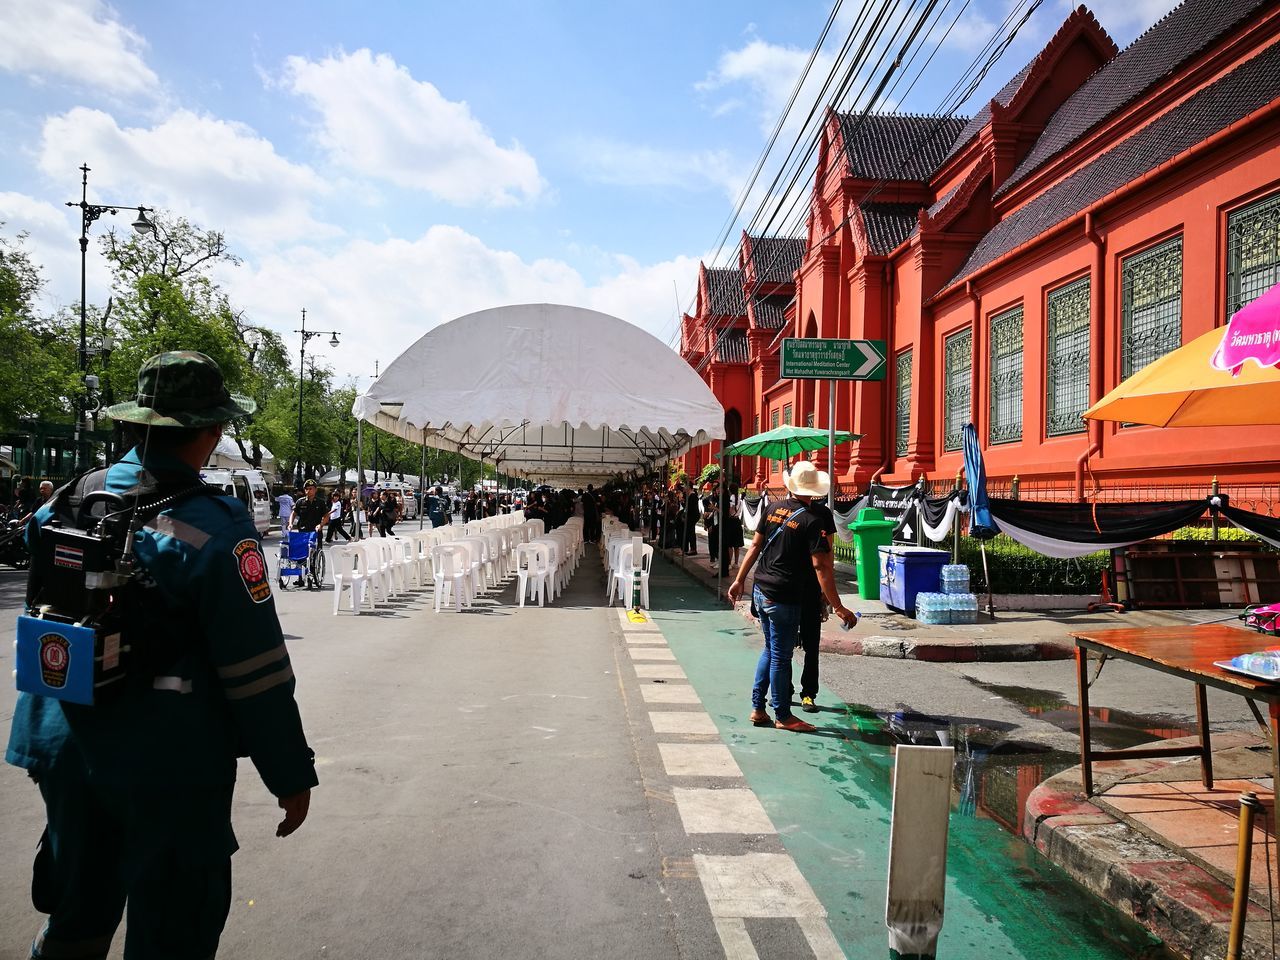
{"x": 1186, "y": 652}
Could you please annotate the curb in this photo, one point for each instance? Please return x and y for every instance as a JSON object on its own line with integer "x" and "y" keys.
{"x": 926, "y": 649}
{"x": 1177, "y": 900}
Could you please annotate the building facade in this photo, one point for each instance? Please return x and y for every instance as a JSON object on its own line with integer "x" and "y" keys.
{"x": 1104, "y": 208}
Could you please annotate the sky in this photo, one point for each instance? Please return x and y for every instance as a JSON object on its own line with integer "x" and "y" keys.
{"x": 391, "y": 166}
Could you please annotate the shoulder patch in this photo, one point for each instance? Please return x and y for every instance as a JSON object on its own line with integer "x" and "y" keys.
{"x": 252, "y": 567}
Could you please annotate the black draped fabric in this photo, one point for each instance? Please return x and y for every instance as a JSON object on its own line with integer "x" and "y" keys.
{"x": 1267, "y": 528}
{"x": 1074, "y": 529}
{"x": 934, "y": 509}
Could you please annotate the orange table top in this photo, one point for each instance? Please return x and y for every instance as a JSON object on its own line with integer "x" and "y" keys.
{"x": 1189, "y": 651}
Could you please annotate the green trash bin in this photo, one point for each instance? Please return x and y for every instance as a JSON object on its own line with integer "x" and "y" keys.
{"x": 871, "y": 531}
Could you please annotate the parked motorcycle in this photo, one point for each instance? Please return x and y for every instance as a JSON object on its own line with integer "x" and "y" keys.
{"x": 13, "y": 547}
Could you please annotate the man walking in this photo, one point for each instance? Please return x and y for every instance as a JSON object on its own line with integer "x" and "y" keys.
{"x": 793, "y": 545}
{"x": 138, "y": 787}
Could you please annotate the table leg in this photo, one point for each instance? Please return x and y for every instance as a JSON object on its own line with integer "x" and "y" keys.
{"x": 1082, "y": 681}
{"x": 1206, "y": 747}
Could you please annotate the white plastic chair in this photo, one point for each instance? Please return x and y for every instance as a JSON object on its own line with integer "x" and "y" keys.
{"x": 376, "y": 568}
{"x": 536, "y": 528}
{"x": 476, "y": 549}
{"x": 624, "y": 578}
{"x": 452, "y": 566}
{"x": 533, "y": 568}
{"x": 498, "y": 554}
{"x": 555, "y": 562}
{"x": 347, "y": 567}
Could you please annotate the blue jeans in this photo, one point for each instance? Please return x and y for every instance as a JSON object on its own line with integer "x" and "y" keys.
{"x": 781, "y": 625}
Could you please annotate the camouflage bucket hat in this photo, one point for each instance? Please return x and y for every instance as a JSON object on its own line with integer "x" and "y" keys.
{"x": 182, "y": 388}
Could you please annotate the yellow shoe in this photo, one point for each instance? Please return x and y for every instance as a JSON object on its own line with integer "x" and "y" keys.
{"x": 807, "y": 705}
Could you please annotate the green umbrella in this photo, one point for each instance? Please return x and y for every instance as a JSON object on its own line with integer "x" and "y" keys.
{"x": 783, "y": 443}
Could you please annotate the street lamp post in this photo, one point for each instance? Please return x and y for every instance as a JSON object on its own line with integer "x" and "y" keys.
{"x": 89, "y": 213}
{"x": 302, "y": 360}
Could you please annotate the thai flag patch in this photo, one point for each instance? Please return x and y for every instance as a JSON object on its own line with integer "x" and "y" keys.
{"x": 72, "y": 558}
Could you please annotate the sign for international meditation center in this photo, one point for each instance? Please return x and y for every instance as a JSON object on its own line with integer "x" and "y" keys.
{"x": 805, "y": 358}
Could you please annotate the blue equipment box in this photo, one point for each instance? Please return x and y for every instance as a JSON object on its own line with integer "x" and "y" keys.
{"x": 906, "y": 571}
{"x": 57, "y": 659}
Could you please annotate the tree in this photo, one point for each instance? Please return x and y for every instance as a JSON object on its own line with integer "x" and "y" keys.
{"x": 39, "y": 364}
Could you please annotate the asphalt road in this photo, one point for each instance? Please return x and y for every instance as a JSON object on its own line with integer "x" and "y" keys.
{"x": 492, "y": 785}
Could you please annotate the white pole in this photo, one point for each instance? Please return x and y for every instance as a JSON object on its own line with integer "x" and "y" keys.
{"x": 918, "y": 848}
{"x": 831, "y": 447}
{"x": 422, "y": 478}
{"x": 359, "y": 478}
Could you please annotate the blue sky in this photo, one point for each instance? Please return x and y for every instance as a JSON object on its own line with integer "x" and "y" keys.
{"x": 391, "y": 166}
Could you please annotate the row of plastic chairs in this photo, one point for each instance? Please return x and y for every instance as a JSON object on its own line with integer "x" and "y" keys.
{"x": 625, "y": 572}
{"x": 487, "y": 556}
{"x": 374, "y": 570}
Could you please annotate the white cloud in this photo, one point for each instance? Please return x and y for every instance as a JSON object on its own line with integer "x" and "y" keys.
{"x": 377, "y": 120}
{"x": 53, "y": 232}
{"x": 219, "y": 173}
{"x": 76, "y": 40}
{"x": 629, "y": 165}
{"x": 770, "y": 72}
{"x": 385, "y": 295}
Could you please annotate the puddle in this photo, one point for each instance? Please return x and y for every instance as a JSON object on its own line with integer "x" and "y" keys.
{"x": 1108, "y": 726}
{"x": 989, "y": 860}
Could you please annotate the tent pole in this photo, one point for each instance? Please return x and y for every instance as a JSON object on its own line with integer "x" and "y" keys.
{"x": 359, "y": 477}
{"x": 422, "y": 479}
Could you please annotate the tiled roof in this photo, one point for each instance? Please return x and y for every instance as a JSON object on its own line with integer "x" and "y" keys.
{"x": 888, "y": 224}
{"x": 1004, "y": 97}
{"x": 1230, "y": 98}
{"x": 897, "y": 146}
{"x": 945, "y": 199}
{"x": 776, "y": 259}
{"x": 769, "y": 311}
{"x": 733, "y": 347}
{"x": 1177, "y": 37}
{"x": 724, "y": 293}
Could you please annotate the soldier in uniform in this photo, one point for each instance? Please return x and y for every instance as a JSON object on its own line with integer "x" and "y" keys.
{"x": 138, "y": 789}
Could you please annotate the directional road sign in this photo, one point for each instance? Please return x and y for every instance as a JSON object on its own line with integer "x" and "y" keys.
{"x": 805, "y": 358}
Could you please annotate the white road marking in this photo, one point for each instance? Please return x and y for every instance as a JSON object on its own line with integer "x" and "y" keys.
{"x": 756, "y": 885}
{"x": 820, "y": 938}
{"x": 668, "y": 693}
{"x": 735, "y": 939}
{"x": 682, "y": 721}
{"x": 721, "y": 811}
{"x": 646, "y": 640}
{"x": 660, "y": 671}
{"x": 698, "y": 760}
{"x": 651, "y": 653}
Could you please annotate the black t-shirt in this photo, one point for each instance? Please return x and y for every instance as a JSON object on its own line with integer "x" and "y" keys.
{"x": 310, "y": 512}
{"x": 784, "y": 571}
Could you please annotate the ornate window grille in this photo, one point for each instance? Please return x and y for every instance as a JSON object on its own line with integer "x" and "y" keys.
{"x": 1253, "y": 252}
{"x": 1067, "y": 360}
{"x": 808, "y": 419}
{"x": 957, "y": 386}
{"x": 902, "y": 421}
{"x": 1005, "y": 346}
{"x": 1151, "y": 305}
{"x": 773, "y": 420}
{"x": 786, "y": 414}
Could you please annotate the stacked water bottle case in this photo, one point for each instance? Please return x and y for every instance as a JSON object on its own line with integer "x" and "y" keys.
{"x": 955, "y": 604}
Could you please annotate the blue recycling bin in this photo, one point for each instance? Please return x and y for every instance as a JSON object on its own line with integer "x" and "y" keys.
{"x": 906, "y": 571}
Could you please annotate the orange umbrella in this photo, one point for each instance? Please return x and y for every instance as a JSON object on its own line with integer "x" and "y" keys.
{"x": 1185, "y": 389}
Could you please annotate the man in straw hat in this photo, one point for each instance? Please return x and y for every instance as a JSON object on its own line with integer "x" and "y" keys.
{"x": 138, "y": 788}
{"x": 793, "y": 545}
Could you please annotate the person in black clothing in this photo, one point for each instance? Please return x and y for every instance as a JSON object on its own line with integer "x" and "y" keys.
{"x": 793, "y": 545}
{"x": 692, "y": 510}
{"x": 590, "y": 516}
{"x": 310, "y": 513}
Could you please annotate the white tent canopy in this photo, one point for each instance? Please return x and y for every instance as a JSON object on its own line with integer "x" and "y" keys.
{"x": 545, "y": 391}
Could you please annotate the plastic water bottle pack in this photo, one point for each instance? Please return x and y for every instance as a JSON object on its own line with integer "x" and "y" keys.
{"x": 963, "y": 607}
{"x": 933, "y": 608}
{"x": 955, "y": 578}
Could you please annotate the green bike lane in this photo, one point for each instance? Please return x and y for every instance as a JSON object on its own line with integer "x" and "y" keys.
{"x": 830, "y": 797}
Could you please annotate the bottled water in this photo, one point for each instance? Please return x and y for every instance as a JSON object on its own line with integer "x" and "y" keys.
{"x": 963, "y": 607}
{"x": 932, "y": 608}
{"x": 955, "y": 578}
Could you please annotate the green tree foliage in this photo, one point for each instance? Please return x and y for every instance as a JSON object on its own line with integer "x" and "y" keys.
{"x": 38, "y": 369}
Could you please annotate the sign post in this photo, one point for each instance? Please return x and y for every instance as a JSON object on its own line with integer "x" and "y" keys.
{"x": 806, "y": 358}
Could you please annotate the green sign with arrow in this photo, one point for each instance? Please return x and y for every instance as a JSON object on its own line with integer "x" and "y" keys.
{"x": 805, "y": 358}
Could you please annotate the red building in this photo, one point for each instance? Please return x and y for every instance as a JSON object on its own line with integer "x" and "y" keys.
{"x": 1105, "y": 207}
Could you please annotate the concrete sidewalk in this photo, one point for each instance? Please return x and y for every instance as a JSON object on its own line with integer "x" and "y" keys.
{"x": 1161, "y": 847}
{"x": 1011, "y": 635}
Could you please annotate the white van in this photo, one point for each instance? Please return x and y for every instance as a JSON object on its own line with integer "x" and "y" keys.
{"x": 406, "y": 490}
{"x": 247, "y": 486}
